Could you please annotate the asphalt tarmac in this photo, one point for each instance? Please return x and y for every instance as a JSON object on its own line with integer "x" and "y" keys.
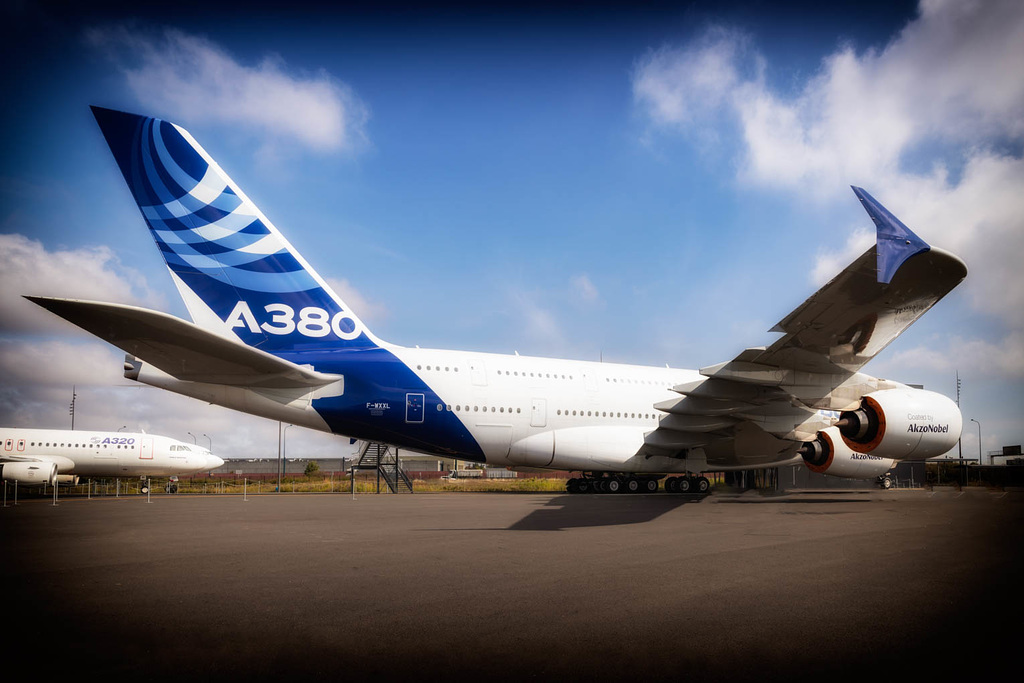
{"x": 843, "y": 585}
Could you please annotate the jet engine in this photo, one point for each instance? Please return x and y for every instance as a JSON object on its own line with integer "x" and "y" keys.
{"x": 30, "y": 472}
{"x": 829, "y": 454}
{"x": 905, "y": 424}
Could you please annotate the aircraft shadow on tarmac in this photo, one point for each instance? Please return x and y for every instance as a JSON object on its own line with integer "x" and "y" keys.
{"x": 575, "y": 511}
{"x": 791, "y": 499}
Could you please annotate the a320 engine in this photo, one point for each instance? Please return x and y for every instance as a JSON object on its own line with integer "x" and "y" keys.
{"x": 829, "y": 454}
{"x": 905, "y": 424}
{"x": 29, "y": 472}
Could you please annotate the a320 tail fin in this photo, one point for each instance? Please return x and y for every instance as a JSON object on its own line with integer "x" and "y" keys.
{"x": 238, "y": 275}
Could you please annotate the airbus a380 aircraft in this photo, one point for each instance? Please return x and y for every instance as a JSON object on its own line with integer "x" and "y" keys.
{"x": 270, "y": 337}
{"x": 41, "y": 456}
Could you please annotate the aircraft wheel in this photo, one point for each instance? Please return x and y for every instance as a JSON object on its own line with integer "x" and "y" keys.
{"x": 887, "y": 483}
{"x": 571, "y": 486}
{"x": 633, "y": 485}
{"x": 651, "y": 485}
{"x": 703, "y": 485}
{"x": 613, "y": 485}
{"x": 672, "y": 485}
{"x": 685, "y": 485}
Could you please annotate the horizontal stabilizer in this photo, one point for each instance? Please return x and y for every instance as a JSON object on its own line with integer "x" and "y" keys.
{"x": 182, "y": 349}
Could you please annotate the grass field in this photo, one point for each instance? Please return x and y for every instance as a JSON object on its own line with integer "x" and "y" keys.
{"x": 366, "y": 483}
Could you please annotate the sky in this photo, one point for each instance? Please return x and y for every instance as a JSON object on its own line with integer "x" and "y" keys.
{"x": 656, "y": 186}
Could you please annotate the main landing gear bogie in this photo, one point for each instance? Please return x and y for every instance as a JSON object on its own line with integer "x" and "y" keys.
{"x": 688, "y": 484}
{"x": 634, "y": 484}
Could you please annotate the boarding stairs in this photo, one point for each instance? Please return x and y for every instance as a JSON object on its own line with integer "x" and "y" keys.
{"x": 384, "y": 459}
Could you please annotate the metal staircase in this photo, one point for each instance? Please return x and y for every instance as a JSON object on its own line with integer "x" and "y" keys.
{"x": 380, "y": 457}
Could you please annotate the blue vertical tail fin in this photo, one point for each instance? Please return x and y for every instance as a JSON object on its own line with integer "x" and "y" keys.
{"x": 238, "y": 275}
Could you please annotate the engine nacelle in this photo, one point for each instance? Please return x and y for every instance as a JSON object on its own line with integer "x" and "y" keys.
{"x": 30, "y": 472}
{"x": 905, "y": 424}
{"x": 829, "y": 454}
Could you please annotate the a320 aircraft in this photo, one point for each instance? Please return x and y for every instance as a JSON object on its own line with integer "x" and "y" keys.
{"x": 46, "y": 456}
{"x": 270, "y": 337}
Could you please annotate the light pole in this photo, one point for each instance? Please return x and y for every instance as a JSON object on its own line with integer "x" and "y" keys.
{"x": 284, "y": 445}
{"x": 979, "y": 439}
{"x": 122, "y": 427}
{"x": 281, "y": 431}
{"x": 211, "y": 442}
{"x": 193, "y": 437}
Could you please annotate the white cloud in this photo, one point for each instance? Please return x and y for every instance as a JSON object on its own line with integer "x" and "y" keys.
{"x": 94, "y": 272}
{"x": 370, "y": 312}
{"x": 680, "y": 87}
{"x": 537, "y": 322}
{"x": 1003, "y": 358}
{"x": 584, "y": 291}
{"x": 828, "y": 263}
{"x": 951, "y": 75}
{"x": 195, "y": 79}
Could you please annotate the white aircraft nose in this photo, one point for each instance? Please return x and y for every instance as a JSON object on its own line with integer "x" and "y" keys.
{"x": 213, "y": 462}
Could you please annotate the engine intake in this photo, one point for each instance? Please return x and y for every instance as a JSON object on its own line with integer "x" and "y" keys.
{"x": 905, "y": 424}
{"x": 829, "y": 454}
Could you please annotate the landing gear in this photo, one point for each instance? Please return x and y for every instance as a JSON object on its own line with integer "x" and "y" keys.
{"x": 630, "y": 483}
{"x": 618, "y": 483}
{"x": 687, "y": 484}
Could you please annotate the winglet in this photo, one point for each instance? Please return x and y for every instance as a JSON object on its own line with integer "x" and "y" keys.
{"x": 895, "y": 242}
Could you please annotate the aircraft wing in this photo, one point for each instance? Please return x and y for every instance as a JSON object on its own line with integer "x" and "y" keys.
{"x": 772, "y": 394}
{"x": 182, "y": 349}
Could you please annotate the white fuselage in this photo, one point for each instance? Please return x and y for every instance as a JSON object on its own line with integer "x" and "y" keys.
{"x": 105, "y": 454}
{"x": 530, "y": 411}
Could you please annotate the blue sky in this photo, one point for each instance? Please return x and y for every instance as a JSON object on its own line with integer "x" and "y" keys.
{"x": 648, "y": 187}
